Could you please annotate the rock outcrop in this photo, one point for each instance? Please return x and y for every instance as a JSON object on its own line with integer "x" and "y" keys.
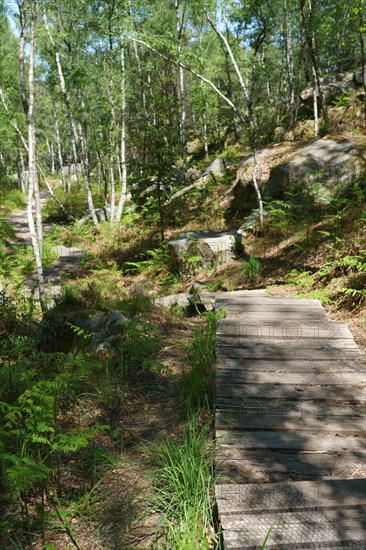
{"x": 195, "y": 250}
{"x": 317, "y": 171}
{"x": 87, "y": 330}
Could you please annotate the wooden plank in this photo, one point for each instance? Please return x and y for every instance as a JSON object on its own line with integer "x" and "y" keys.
{"x": 242, "y": 301}
{"x": 336, "y": 349}
{"x": 320, "y": 529}
{"x": 245, "y": 466}
{"x": 290, "y": 495}
{"x": 229, "y": 394}
{"x": 242, "y": 376}
{"x": 319, "y": 366}
{"x": 287, "y": 315}
{"x": 352, "y": 516}
{"x": 291, "y": 415}
{"x": 290, "y": 330}
{"x": 236, "y": 309}
{"x": 290, "y": 440}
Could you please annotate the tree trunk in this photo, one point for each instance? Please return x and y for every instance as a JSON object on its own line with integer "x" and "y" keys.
{"x": 112, "y": 122}
{"x": 310, "y": 38}
{"x": 33, "y": 179}
{"x": 59, "y": 150}
{"x": 182, "y": 99}
{"x": 315, "y": 104}
{"x": 290, "y": 66}
{"x": 361, "y": 18}
{"x": 123, "y": 196}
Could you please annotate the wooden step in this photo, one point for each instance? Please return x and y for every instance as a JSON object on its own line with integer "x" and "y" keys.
{"x": 258, "y": 414}
{"x": 227, "y": 361}
{"x": 326, "y": 514}
{"x": 256, "y": 466}
{"x": 243, "y": 376}
{"x": 289, "y": 392}
{"x": 295, "y": 440}
{"x": 343, "y": 350}
{"x": 266, "y": 331}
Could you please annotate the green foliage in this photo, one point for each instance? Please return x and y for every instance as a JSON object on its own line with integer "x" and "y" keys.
{"x": 301, "y": 279}
{"x": 250, "y": 268}
{"x": 197, "y": 384}
{"x": 214, "y": 285}
{"x": 343, "y": 99}
{"x": 157, "y": 263}
{"x": 184, "y": 484}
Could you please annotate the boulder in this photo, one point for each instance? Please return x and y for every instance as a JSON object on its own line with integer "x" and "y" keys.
{"x": 318, "y": 170}
{"x": 245, "y": 198}
{"x": 196, "y": 250}
{"x": 332, "y": 87}
{"x": 216, "y": 168}
{"x": 87, "y": 330}
{"x": 102, "y": 214}
{"x": 194, "y": 147}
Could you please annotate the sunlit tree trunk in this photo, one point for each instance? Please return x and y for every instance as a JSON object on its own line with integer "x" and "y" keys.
{"x": 182, "y": 98}
{"x": 289, "y": 65}
{"x": 59, "y": 149}
{"x": 32, "y": 163}
{"x": 362, "y": 33}
{"x": 123, "y": 196}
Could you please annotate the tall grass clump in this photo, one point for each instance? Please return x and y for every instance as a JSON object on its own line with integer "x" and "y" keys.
{"x": 250, "y": 268}
{"x": 184, "y": 481}
{"x": 197, "y": 384}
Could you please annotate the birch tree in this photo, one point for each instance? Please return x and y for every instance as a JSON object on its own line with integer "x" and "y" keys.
{"x": 32, "y": 162}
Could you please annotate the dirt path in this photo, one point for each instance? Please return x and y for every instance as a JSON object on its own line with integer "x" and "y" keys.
{"x": 68, "y": 257}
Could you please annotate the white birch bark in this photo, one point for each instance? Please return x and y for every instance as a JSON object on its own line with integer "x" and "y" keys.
{"x": 33, "y": 179}
{"x": 59, "y": 149}
{"x": 112, "y": 126}
{"x": 290, "y": 65}
{"x": 122, "y": 199}
{"x": 182, "y": 99}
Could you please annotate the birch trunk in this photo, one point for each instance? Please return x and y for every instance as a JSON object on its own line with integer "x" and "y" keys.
{"x": 112, "y": 123}
{"x": 123, "y": 196}
{"x": 26, "y": 101}
{"x": 361, "y": 18}
{"x": 59, "y": 150}
{"x": 290, "y": 65}
{"x": 32, "y": 163}
{"x": 315, "y": 103}
{"x": 182, "y": 99}
{"x": 310, "y": 38}
{"x": 23, "y": 183}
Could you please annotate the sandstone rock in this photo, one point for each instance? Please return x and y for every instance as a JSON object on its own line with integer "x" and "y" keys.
{"x": 86, "y": 330}
{"x": 245, "y": 198}
{"x": 102, "y": 214}
{"x": 318, "y": 170}
{"x": 195, "y": 146}
{"x": 193, "y": 250}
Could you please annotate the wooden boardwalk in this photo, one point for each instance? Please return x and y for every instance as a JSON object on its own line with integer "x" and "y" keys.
{"x": 290, "y": 426}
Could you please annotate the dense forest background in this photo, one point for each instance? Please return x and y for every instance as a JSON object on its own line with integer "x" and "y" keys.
{"x": 120, "y": 88}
